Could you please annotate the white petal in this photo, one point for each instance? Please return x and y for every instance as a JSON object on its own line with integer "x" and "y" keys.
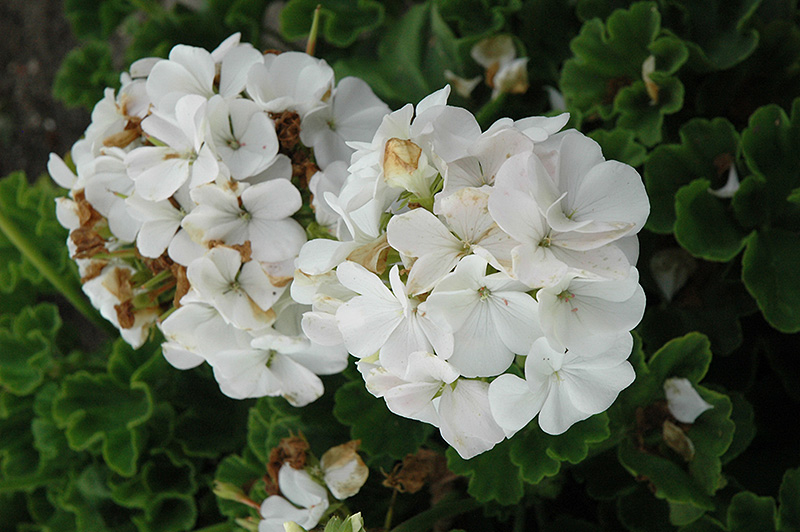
{"x": 683, "y": 400}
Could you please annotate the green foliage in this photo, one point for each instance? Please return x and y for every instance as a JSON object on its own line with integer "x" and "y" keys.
{"x": 604, "y": 78}
{"x": 84, "y": 74}
{"x": 706, "y": 151}
{"x": 29, "y": 208}
{"x": 411, "y": 57}
{"x": 27, "y": 347}
{"x": 692, "y": 481}
{"x": 716, "y": 32}
{"x": 381, "y": 432}
{"x": 343, "y": 21}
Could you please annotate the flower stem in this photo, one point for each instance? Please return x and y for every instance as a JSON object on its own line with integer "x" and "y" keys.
{"x": 312, "y": 35}
{"x": 59, "y": 282}
{"x": 387, "y": 523}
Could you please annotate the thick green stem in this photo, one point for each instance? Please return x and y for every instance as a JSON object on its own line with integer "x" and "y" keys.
{"x": 59, "y": 282}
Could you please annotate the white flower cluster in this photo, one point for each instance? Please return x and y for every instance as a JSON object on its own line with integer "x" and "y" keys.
{"x": 464, "y": 257}
{"x": 451, "y": 261}
{"x": 184, "y": 206}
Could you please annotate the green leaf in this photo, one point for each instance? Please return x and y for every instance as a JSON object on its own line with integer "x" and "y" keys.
{"x": 619, "y": 145}
{"x": 750, "y": 513}
{"x": 688, "y": 357}
{"x": 492, "y": 474}
{"x": 639, "y": 511}
{"x": 769, "y": 274}
{"x": 478, "y": 18}
{"x": 706, "y": 151}
{"x": 704, "y": 225}
{"x": 715, "y": 31}
{"x": 246, "y": 16}
{"x": 208, "y": 423}
{"x": 771, "y": 147}
{"x": 744, "y": 419}
{"x": 412, "y": 57}
{"x": 604, "y": 477}
{"x": 18, "y": 457}
{"x": 539, "y": 455}
{"x": 30, "y": 208}
{"x": 604, "y": 78}
{"x": 704, "y": 524}
{"x": 382, "y": 433}
{"x": 27, "y": 346}
{"x": 342, "y": 20}
{"x": 672, "y": 477}
{"x": 84, "y": 74}
{"x": 789, "y": 498}
{"x": 242, "y": 473}
{"x": 94, "y": 408}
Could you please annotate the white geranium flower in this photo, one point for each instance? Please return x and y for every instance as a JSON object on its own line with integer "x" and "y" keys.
{"x": 466, "y": 420}
{"x": 192, "y": 70}
{"x": 290, "y": 81}
{"x": 330, "y": 181}
{"x": 486, "y": 156}
{"x": 199, "y": 329}
{"x": 259, "y": 214}
{"x": 109, "y": 289}
{"x": 412, "y": 394}
{"x": 304, "y": 501}
{"x": 242, "y": 293}
{"x": 546, "y": 255}
{"x": 438, "y": 247}
{"x": 561, "y": 387}
{"x": 683, "y": 400}
{"x": 491, "y": 316}
{"x": 159, "y": 171}
{"x": 243, "y": 136}
{"x": 107, "y": 189}
{"x": 581, "y": 313}
{"x": 588, "y": 193}
{"x": 159, "y": 223}
{"x": 353, "y": 114}
{"x": 386, "y": 321}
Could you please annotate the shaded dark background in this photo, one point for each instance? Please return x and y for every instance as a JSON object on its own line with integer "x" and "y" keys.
{"x": 34, "y": 38}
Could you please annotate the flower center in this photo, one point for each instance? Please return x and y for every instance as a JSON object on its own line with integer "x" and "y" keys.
{"x": 484, "y": 293}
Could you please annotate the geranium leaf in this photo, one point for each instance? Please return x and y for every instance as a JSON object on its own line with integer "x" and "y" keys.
{"x": 27, "y": 346}
{"x": 412, "y": 57}
{"x": 769, "y": 274}
{"x": 342, "y": 21}
{"x": 93, "y": 408}
{"x": 478, "y": 18}
{"x": 619, "y": 145}
{"x": 771, "y": 147}
{"x": 492, "y": 474}
{"x": 789, "y": 499}
{"x": 750, "y": 513}
{"x": 604, "y": 78}
{"x": 84, "y": 74}
{"x": 715, "y": 31}
{"x": 704, "y": 225}
{"x": 29, "y": 208}
{"x": 706, "y": 151}
{"x": 381, "y": 432}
